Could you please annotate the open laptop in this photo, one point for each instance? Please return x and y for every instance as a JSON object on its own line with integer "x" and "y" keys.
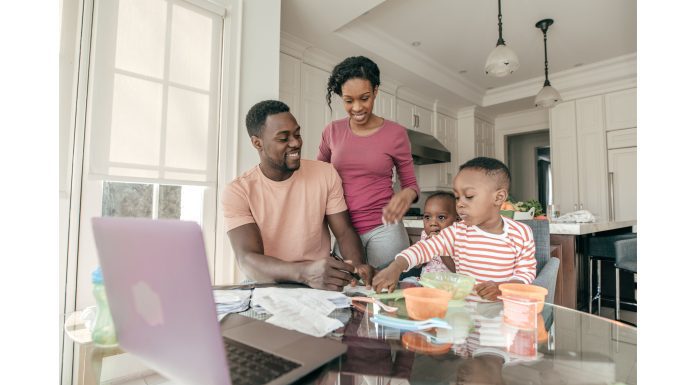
{"x": 158, "y": 288}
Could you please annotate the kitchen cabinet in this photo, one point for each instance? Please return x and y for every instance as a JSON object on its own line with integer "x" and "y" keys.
{"x": 484, "y": 140}
{"x": 621, "y": 111}
{"x": 315, "y": 114}
{"x": 385, "y": 105}
{"x": 432, "y": 177}
{"x": 623, "y": 183}
{"x": 414, "y": 117}
{"x": 578, "y": 156}
{"x": 290, "y": 71}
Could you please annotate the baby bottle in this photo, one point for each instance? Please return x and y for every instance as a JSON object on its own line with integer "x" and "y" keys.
{"x": 104, "y": 333}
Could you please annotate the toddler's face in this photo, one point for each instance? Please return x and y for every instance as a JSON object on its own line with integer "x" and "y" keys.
{"x": 439, "y": 213}
{"x": 478, "y": 197}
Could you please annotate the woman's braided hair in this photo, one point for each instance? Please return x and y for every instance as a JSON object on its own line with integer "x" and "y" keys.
{"x": 352, "y": 67}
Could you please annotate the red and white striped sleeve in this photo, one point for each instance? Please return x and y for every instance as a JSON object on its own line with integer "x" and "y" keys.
{"x": 525, "y": 262}
{"x": 425, "y": 250}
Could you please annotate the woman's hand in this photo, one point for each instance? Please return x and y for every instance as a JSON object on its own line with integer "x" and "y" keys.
{"x": 397, "y": 206}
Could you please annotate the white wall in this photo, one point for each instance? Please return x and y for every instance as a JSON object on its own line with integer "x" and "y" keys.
{"x": 522, "y": 163}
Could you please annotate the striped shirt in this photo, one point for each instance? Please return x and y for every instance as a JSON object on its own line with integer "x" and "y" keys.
{"x": 482, "y": 255}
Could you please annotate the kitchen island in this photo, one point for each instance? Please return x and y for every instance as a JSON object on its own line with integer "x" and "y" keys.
{"x": 572, "y": 289}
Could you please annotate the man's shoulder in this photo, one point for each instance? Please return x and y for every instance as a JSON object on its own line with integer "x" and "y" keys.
{"x": 313, "y": 168}
{"x": 243, "y": 181}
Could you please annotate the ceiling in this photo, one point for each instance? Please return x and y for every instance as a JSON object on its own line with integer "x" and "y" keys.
{"x": 458, "y": 35}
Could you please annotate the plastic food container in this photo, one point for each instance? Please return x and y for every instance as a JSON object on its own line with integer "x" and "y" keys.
{"x": 456, "y": 284}
{"x": 524, "y": 292}
{"x": 424, "y": 302}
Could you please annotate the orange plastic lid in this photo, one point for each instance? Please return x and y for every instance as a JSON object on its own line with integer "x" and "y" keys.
{"x": 418, "y": 343}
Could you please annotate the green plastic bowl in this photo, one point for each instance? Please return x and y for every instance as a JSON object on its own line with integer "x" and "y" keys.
{"x": 459, "y": 285}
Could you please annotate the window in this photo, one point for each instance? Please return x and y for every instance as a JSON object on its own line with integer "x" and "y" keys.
{"x": 153, "y": 118}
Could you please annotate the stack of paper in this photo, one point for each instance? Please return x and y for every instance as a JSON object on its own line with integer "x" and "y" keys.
{"x": 231, "y": 301}
{"x": 304, "y": 310}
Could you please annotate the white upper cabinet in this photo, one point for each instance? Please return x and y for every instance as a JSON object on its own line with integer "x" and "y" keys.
{"x": 414, "y": 117}
{"x": 424, "y": 120}
{"x": 405, "y": 114}
{"x": 621, "y": 111}
{"x": 592, "y": 156}
{"x": 579, "y": 157}
{"x": 385, "y": 105}
{"x": 564, "y": 157}
{"x": 315, "y": 113}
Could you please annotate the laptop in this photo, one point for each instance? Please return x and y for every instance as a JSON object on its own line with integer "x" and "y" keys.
{"x": 161, "y": 300}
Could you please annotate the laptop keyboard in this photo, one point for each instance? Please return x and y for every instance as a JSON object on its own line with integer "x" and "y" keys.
{"x": 251, "y": 366}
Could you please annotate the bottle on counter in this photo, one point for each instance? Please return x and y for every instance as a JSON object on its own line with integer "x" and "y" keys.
{"x": 104, "y": 333}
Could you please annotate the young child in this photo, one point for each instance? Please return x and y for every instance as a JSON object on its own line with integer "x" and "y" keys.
{"x": 483, "y": 244}
{"x": 439, "y": 212}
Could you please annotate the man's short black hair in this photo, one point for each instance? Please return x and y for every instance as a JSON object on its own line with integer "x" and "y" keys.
{"x": 256, "y": 117}
{"x": 447, "y": 196}
{"x": 492, "y": 167}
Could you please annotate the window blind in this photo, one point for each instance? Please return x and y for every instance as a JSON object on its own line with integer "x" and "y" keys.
{"x": 154, "y": 112}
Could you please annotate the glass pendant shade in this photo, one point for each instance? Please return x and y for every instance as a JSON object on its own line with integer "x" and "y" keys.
{"x": 502, "y": 61}
{"x": 547, "y": 97}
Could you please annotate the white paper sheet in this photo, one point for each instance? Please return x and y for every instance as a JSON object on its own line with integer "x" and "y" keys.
{"x": 304, "y": 310}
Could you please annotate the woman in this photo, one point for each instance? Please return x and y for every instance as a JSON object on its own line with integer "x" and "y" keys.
{"x": 365, "y": 148}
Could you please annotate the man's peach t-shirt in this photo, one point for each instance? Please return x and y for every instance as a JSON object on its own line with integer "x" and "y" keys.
{"x": 290, "y": 214}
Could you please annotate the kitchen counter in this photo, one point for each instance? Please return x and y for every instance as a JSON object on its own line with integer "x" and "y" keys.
{"x": 588, "y": 228}
{"x": 558, "y": 227}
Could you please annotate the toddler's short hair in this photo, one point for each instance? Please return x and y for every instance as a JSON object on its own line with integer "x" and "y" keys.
{"x": 447, "y": 196}
{"x": 491, "y": 167}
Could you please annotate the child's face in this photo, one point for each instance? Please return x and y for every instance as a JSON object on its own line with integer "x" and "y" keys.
{"x": 478, "y": 197}
{"x": 439, "y": 213}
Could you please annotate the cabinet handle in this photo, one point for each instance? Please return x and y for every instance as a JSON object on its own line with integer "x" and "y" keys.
{"x": 612, "y": 207}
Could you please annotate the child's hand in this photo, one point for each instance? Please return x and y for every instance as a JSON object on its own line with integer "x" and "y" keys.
{"x": 387, "y": 278}
{"x": 488, "y": 290}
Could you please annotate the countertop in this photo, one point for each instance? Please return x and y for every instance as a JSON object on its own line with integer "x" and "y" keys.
{"x": 561, "y": 228}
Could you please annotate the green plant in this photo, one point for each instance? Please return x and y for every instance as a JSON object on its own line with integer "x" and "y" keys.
{"x": 526, "y": 205}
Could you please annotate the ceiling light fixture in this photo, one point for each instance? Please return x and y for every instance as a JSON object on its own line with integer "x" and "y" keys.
{"x": 502, "y": 61}
{"x": 548, "y": 96}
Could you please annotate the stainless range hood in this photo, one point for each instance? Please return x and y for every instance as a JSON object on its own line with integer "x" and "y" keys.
{"x": 426, "y": 149}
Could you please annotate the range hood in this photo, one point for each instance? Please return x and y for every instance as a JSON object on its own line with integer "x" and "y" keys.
{"x": 426, "y": 149}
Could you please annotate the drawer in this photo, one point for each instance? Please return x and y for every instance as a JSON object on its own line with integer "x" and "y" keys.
{"x": 622, "y": 138}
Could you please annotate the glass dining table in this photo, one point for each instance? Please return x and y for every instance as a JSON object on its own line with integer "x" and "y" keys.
{"x": 567, "y": 347}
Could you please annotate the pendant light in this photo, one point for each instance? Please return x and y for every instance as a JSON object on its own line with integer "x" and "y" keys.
{"x": 548, "y": 96}
{"x": 502, "y": 61}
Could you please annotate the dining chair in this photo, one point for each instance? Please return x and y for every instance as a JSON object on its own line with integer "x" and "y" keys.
{"x": 547, "y": 266}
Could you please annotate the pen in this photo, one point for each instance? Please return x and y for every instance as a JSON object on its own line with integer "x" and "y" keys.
{"x": 353, "y": 274}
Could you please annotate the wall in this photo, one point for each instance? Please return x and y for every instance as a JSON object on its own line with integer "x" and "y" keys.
{"x": 522, "y": 163}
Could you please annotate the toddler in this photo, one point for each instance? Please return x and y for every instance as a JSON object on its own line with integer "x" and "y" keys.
{"x": 483, "y": 244}
{"x": 439, "y": 212}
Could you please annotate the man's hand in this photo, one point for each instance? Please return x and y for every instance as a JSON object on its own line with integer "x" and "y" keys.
{"x": 398, "y": 205}
{"x": 388, "y": 278}
{"x": 488, "y": 290}
{"x": 366, "y": 272}
{"x": 327, "y": 274}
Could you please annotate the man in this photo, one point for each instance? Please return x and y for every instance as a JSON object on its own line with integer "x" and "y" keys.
{"x": 276, "y": 214}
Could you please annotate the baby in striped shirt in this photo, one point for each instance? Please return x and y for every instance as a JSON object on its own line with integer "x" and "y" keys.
{"x": 483, "y": 244}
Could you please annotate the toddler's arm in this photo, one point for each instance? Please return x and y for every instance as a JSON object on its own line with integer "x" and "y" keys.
{"x": 388, "y": 277}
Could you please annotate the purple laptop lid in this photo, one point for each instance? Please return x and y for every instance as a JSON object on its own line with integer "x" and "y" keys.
{"x": 158, "y": 287}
